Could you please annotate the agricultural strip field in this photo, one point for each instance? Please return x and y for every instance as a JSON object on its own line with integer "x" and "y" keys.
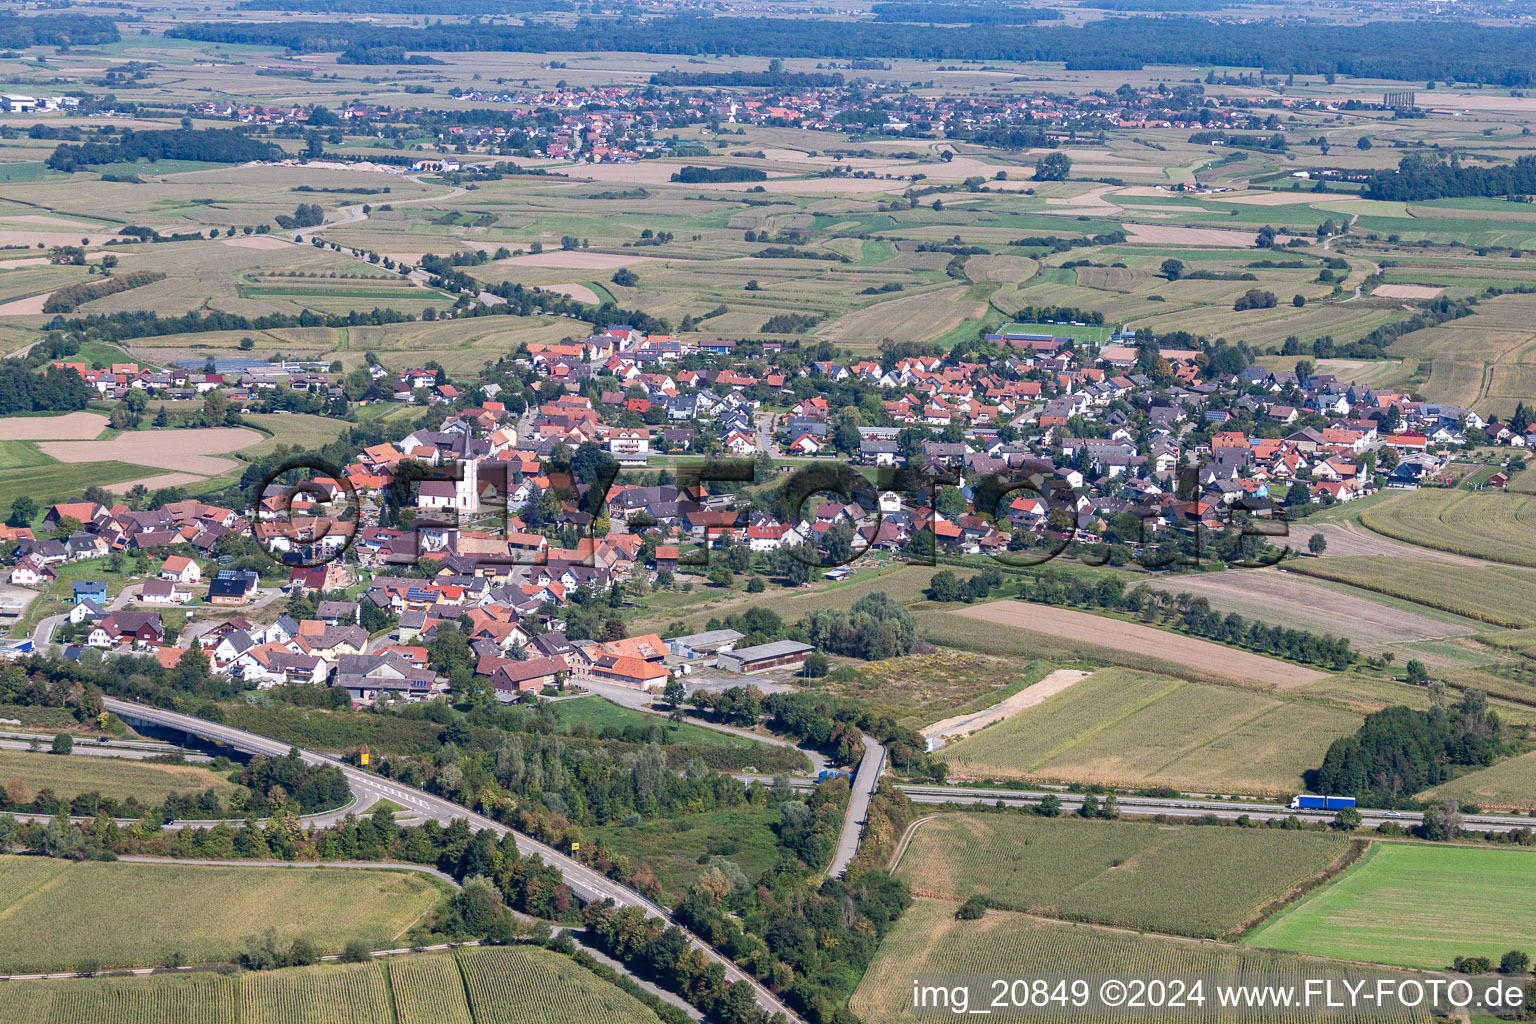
{"x": 1126, "y": 728}
{"x": 1416, "y": 906}
{"x": 191, "y": 451}
{"x": 62, "y": 482}
{"x": 1508, "y": 785}
{"x": 1280, "y": 599}
{"x": 929, "y": 938}
{"x": 1477, "y": 524}
{"x": 206, "y": 913}
{"x": 1129, "y": 874}
{"x": 1201, "y": 654}
{"x": 1503, "y": 597}
{"x": 118, "y": 778}
{"x": 506, "y": 985}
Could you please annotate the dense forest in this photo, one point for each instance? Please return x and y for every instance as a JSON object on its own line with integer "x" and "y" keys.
{"x": 1419, "y": 177}
{"x": 56, "y": 30}
{"x": 1398, "y": 752}
{"x": 697, "y": 175}
{"x": 59, "y": 390}
{"x": 925, "y": 12}
{"x": 216, "y": 145}
{"x": 1404, "y": 51}
{"x": 441, "y": 8}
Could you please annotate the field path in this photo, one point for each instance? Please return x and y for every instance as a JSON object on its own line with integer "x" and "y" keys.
{"x": 1131, "y": 636}
{"x": 960, "y": 725}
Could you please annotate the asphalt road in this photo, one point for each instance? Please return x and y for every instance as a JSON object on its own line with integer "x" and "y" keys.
{"x": 1179, "y": 807}
{"x": 864, "y": 783}
{"x": 587, "y": 884}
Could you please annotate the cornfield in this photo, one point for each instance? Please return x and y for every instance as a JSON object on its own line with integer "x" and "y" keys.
{"x": 327, "y": 994}
{"x": 508, "y": 985}
{"x": 513, "y": 985}
{"x": 1478, "y": 524}
{"x": 929, "y": 938}
{"x": 429, "y": 990}
{"x": 1123, "y": 873}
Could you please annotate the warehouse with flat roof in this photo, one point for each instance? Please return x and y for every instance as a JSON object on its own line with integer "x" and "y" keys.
{"x": 779, "y": 654}
{"x": 702, "y": 645}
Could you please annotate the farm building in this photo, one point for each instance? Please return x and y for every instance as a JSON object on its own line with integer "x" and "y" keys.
{"x": 779, "y": 654}
{"x": 702, "y": 645}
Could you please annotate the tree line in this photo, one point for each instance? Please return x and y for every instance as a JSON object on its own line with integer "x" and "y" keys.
{"x": 213, "y": 145}
{"x": 1419, "y": 177}
{"x": 17, "y": 33}
{"x": 1404, "y": 51}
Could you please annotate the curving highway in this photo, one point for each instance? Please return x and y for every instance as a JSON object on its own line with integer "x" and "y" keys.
{"x": 588, "y": 884}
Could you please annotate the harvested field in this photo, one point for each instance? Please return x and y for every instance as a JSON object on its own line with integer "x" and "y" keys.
{"x": 574, "y": 260}
{"x": 1407, "y": 291}
{"x": 32, "y": 305}
{"x": 1348, "y": 539}
{"x": 72, "y": 426}
{"x": 963, "y": 725}
{"x": 1201, "y": 654}
{"x": 579, "y": 292}
{"x": 1280, "y": 598}
{"x": 193, "y": 451}
{"x": 1172, "y": 234}
{"x": 157, "y": 481}
{"x": 915, "y": 317}
{"x": 258, "y": 242}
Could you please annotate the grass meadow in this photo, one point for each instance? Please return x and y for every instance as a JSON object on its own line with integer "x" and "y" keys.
{"x": 1414, "y": 905}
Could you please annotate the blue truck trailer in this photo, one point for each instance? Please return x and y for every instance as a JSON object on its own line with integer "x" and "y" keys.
{"x": 1306, "y": 802}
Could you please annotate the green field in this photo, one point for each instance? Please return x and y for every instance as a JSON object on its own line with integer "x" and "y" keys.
{"x": 1415, "y": 906}
{"x": 1489, "y": 525}
{"x": 1503, "y": 597}
{"x": 1120, "y": 727}
{"x": 506, "y": 985}
{"x": 205, "y": 913}
{"x": 598, "y": 713}
{"x": 1129, "y": 874}
{"x": 680, "y": 849}
{"x": 929, "y": 938}
{"x": 115, "y": 777}
{"x": 65, "y": 481}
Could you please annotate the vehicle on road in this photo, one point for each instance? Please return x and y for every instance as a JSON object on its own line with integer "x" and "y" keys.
{"x": 1307, "y": 802}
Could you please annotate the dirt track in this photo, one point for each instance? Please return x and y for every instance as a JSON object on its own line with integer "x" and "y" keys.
{"x": 961, "y": 725}
{"x": 1130, "y": 636}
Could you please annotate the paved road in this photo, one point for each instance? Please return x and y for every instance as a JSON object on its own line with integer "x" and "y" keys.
{"x": 1192, "y": 807}
{"x": 587, "y": 884}
{"x": 864, "y": 784}
{"x": 95, "y": 750}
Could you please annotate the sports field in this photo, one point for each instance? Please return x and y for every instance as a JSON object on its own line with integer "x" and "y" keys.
{"x": 53, "y": 916}
{"x": 114, "y": 777}
{"x": 929, "y": 938}
{"x": 504, "y": 985}
{"x": 1130, "y": 874}
{"x": 1127, "y": 728}
{"x": 1415, "y": 905}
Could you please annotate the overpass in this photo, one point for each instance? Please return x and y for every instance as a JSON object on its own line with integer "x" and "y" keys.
{"x": 588, "y": 885}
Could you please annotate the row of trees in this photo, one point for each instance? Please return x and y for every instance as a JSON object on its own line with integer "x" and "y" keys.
{"x": 1188, "y": 614}
{"x": 1396, "y": 50}
{"x": 216, "y": 145}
